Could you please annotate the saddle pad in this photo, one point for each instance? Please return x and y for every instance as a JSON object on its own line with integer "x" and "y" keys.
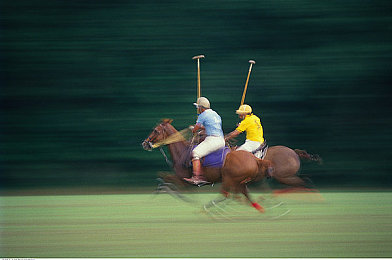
{"x": 215, "y": 159}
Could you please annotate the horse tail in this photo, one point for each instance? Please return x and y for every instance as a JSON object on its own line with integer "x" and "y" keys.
{"x": 308, "y": 157}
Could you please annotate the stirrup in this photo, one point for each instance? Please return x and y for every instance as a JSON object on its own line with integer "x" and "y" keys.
{"x": 196, "y": 182}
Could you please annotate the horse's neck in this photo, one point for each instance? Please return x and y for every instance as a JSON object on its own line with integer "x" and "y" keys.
{"x": 176, "y": 149}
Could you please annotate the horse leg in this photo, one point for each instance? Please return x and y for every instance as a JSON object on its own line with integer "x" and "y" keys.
{"x": 293, "y": 181}
{"x": 245, "y": 191}
{"x": 230, "y": 186}
{"x": 296, "y": 183}
{"x": 171, "y": 189}
{"x": 214, "y": 210}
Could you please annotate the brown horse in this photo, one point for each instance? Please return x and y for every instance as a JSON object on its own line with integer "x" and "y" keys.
{"x": 239, "y": 168}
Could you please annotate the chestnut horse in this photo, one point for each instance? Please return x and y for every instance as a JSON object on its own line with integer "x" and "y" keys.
{"x": 239, "y": 168}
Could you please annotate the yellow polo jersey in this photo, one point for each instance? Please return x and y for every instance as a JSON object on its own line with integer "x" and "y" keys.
{"x": 254, "y": 131}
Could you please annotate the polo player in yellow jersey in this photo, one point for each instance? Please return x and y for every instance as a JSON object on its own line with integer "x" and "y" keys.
{"x": 252, "y": 126}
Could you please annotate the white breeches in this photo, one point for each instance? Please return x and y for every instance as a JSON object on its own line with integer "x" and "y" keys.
{"x": 209, "y": 145}
{"x": 249, "y": 146}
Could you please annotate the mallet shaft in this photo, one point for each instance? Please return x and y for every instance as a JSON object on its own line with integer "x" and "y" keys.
{"x": 198, "y": 57}
{"x": 198, "y": 78}
{"x": 247, "y": 81}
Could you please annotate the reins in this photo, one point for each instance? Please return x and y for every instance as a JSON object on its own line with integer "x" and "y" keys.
{"x": 169, "y": 163}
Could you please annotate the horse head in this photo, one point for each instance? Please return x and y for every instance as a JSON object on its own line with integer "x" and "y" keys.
{"x": 158, "y": 134}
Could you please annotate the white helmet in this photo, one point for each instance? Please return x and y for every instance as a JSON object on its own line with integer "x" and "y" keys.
{"x": 202, "y": 102}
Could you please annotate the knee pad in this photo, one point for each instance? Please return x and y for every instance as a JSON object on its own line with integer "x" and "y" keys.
{"x": 195, "y": 156}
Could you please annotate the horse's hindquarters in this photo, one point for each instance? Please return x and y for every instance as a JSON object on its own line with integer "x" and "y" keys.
{"x": 284, "y": 160}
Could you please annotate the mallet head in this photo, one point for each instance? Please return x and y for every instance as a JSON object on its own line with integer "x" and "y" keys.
{"x": 198, "y": 57}
{"x": 252, "y": 62}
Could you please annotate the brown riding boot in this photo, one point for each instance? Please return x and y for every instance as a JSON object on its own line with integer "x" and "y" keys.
{"x": 197, "y": 178}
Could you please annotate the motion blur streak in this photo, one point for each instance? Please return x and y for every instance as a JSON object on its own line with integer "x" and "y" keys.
{"x": 83, "y": 82}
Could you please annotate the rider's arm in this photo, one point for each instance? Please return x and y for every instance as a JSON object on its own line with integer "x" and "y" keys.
{"x": 232, "y": 135}
{"x": 197, "y": 128}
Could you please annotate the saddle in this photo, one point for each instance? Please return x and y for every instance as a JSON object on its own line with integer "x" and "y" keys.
{"x": 214, "y": 159}
{"x": 261, "y": 151}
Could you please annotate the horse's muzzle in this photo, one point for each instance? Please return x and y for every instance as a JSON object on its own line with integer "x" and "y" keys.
{"x": 147, "y": 145}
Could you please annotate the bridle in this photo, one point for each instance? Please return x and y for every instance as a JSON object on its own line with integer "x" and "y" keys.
{"x": 148, "y": 144}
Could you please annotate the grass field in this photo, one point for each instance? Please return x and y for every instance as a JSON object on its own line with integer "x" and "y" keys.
{"x": 330, "y": 224}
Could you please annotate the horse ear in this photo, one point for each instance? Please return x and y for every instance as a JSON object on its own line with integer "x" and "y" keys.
{"x": 167, "y": 121}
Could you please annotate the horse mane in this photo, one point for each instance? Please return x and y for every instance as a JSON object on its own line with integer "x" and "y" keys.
{"x": 174, "y": 136}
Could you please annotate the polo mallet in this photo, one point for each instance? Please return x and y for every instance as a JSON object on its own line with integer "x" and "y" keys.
{"x": 198, "y": 57}
{"x": 247, "y": 80}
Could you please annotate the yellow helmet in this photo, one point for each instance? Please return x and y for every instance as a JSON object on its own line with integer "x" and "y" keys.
{"x": 244, "y": 109}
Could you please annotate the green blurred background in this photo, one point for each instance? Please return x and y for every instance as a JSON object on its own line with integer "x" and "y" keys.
{"x": 84, "y": 82}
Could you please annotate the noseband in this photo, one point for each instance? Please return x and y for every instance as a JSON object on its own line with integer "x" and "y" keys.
{"x": 148, "y": 144}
